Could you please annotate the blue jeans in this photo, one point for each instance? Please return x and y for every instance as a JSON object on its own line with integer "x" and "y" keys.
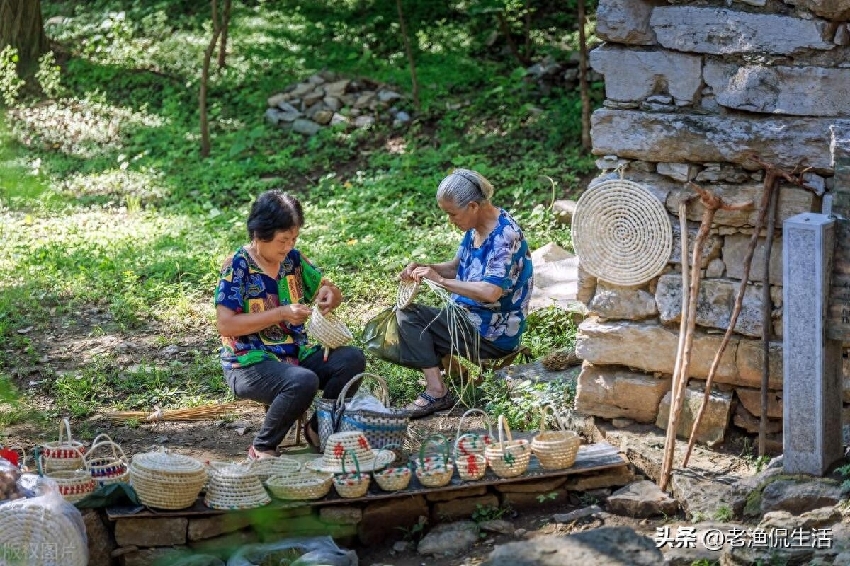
{"x": 288, "y": 390}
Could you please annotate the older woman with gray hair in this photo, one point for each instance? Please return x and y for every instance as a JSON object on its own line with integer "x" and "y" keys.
{"x": 489, "y": 279}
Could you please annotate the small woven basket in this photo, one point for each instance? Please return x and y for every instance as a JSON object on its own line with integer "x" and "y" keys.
{"x": 555, "y": 449}
{"x": 471, "y": 466}
{"x": 351, "y": 484}
{"x": 508, "y": 458}
{"x": 435, "y": 470}
{"x": 300, "y": 486}
{"x": 264, "y": 468}
{"x": 73, "y": 484}
{"x": 328, "y": 330}
{"x": 37, "y": 532}
{"x": 64, "y": 453}
{"x": 393, "y": 478}
{"x": 406, "y": 291}
{"x": 106, "y": 470}
{"x": 474, "y": 443}
{"x": 234, "y": 486}
{"x": 167, "y": 481}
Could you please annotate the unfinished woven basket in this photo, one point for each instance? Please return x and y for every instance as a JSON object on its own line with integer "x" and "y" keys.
{"x": 167, "y": 481}
{"x": 475, "y": 443}
{"x": 300, "y": 486}
{"x": 108, "y": 469}
{"x": 470, "y": 465}
{"x": 555, "y": 449}
{"x": 621, "y": 232}
{"x": 328, "y": 330}
{"x": 234, "y": 486}
{"x": 43, "y": 533}
{"x": 406, "y": 291}
{"x": 508, "y": 458}
{"x": 64, "y": 453}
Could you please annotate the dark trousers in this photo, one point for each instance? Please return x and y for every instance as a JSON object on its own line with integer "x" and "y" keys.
{"x": 288, "y": 390}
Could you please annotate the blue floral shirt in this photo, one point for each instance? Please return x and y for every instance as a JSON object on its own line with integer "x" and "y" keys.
{"x": 504, "y": 260}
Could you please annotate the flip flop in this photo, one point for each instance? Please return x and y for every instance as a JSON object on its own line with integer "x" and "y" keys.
{"x": 433, "y": 404}
{"x": 254, "y": 454}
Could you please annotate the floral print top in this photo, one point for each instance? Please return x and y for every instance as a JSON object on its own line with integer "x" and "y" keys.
{"x": 503, "y": 259}
{"x": 243, "y": 287}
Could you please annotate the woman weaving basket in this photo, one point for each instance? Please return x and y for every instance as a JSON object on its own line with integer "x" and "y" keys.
{"x": 260, "y": 314}
{"x": 489, "y": 279}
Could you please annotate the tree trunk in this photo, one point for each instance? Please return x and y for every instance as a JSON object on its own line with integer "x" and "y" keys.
{"x": 584, "y": 87}
{"x": 22, "y": 27}
{"x": 506, "y": 30}
{"x": 225, "y": 26}
{"x": 408, "y": 49}
{"x": 205, "y": 77}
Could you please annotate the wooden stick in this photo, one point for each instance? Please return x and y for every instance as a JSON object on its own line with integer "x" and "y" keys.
{"x": 765, "y": 318}
{"x": 770, "y": 181}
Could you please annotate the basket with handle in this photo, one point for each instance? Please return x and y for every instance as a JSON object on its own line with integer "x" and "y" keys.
{"x": 351, "y": 484}
{"x": 234, "y": 486}
{"x": 406, "y": 291}
{"x": 380, "y": 428}
{"x": 508, "y": 458}
{"x": 302, "y": 485}
{"x": 393, "y": 478}
{"x": 167, "y": 481}
{"x": 555, "y": 449}
{"x": 64, "y": 453}
{"x": 73, "y": 484}
{"x": 328, "y": 330}
{"x": 470, "y": 465}
{"x": 475, "y": 443}
{"x": 435, "y": 470}
{"x": 106, "y": 469}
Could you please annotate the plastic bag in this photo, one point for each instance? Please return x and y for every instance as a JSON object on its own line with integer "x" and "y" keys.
{"x": 366, "y": 402}
{"x": 381, "y": 336}
{"x": 315, "y": 551}
{"x": 10, "y": 487}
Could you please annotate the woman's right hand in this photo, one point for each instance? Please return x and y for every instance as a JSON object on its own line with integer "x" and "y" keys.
{"x": 295, "y": 314}
{"x": 407, "y": 273}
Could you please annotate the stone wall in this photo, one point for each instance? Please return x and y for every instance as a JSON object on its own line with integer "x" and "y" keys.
{"x": 691, "y": 90}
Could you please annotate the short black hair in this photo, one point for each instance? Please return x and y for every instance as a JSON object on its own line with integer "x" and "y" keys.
{"x": 273, "y": 210}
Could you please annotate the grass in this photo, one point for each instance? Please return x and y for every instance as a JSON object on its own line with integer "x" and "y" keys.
{"x": 114, "y": 228}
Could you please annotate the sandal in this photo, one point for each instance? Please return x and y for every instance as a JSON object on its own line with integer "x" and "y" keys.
{"x": 254, "y": 454}
{"x": 433, "y": 404}
{"x": 311, "y": 437}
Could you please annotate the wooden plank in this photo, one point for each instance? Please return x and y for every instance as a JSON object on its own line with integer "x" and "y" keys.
{"x": 590, "y": 458}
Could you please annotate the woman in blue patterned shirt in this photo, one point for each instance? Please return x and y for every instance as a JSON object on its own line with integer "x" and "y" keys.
{"x": 490, "y": 278}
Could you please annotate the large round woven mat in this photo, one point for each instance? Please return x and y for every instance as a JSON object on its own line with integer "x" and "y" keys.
{"x": 621, "y": 232}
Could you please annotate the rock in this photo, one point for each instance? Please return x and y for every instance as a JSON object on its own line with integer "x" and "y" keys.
{"x": 323, "y": 117}
{"x": 613, "y": 302}
{"x": 313, "y": 97}
{"x": 555, "y": 277}
{"x": 714, "y": 421}
{"x": 711, "y": 249}
{"x": 624, "y": 21}
{"x": 577, "y": 514}
{"x": 641, "y": 499}
{"x": 341, "y": 515}
{"x": 272, "y": 116}
{"x": 815, "y": 519}
{"x": 797, "y": 497}
{"x": 721, "y": 31}
{"x": 614, "y": 392}
{"x": 604, "y": 546}
{"x": 381, "y": 518}
{"x": 748, "y": 556}
{"x": 402, "y": 117}
{"x": 842, "y": 36}
{"x": 151, "y": 532}
{"x": 685, "y": 544}
{"x": 676, "y": 171}
{"x": 703, "y": 498}
{"x": 288, "y": 108}
{"x": 829, "y": 9}
{"x": 715, "y": 269}
{"x": 603, "y": 479}
{"x": 277, "y": 99}
{"x": 338, "y": 120}
{"x": 632, "y": 75}
{"x": 718, "y": 172}
{"x": 791, "y": 202}
{"x": 364, "y": 121}
{"x": 209, "y": 527}
{"x": 462, "y": 508}
{"x": 499, "y": 526}
{"x": 449, "y": 539}
{"x": 388, "y": 95}
{"x": 751, "y": 423}
{"x": 306, "y": 127}
{"x": 735, "y": 249}
{"x": 622, "y": 422}
{"x": 100, "y": 544}
{"x": 402, "y": 546}
{"x": 659, "y": 185}
{"x": 336, "y": 89}
{"x": 564, "y": 210}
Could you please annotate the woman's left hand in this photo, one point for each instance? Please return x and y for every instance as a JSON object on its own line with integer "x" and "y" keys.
{"x": 426, "y": 272}
{"x": 328, "y": 297}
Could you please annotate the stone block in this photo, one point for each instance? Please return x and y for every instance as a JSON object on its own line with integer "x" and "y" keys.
{"x": 614, "y": 392}
{"x": 632, "y": 75}
{"x": 209, "y": 527}
{"x": 462, "y": 508}
{"x": 439, "y": 496}
{"x": 735, "y": 249}
{"x": 677, "y": 171}
{"x": 100, "y": 544}
{"x": 151, "y": 531}
{"x": 625, "y": 21}
{"x": 341, "y": 515}
{"x": 564, "y": 211}
{"x": 723, "y": 32}
{"x": 715, "y": 269}
{"x": 710, "y": 249}
{"x": 705, "y": 138}
{"x": 791, "y": 202}
{"x": 536, "y": 486}
{"x": 225, "y": 545}
{"x": 714, "y": 421}
{"x": 751, "y": 422}
{"x": 641, "y": 499}
{"x": 829, "y": 9}
{"x": 750, "y": 362}
{"x": 659, "y": 185}
{"x": 714, "y": 305}
{"x": 151, "y": 556}
{"x": 517, "y": 500}
{"x": 383, "y": 519}
{"x": 613, "y": 302}
{"x": 751, "y": 400}
{"x": 596, "y": 480}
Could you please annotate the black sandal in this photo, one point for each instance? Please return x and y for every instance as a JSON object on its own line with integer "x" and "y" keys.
{"x": 433, "y": 405}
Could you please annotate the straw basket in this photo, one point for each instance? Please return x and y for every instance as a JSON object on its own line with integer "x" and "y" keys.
{"x": 341, "y": 443}
{"x": 106, "y": 470}
{"x": 64, "y": 453}
{"x": 473, "y": 443}
{"x": 555, "y": 449}
{"x": 328, "y": 330}
{"x": 73, "y": 484}
{"x": 165, "y": 480}
{"x": 393, "y": 478}
{"x": 622, "y": 232}
{"x": 36, "y": 532}
{"x": 509, "y": 458}
{"x": 471, "y": 466}
{"x": 264, "y": 468}
{"x": 300, "y": 486}
{"x": 234, "y": 486}
{"x": 406, "y": 291}
{"x": 351, "y": 484}
{"x": 435, "y": 470}
{"x": 381, "y": 428}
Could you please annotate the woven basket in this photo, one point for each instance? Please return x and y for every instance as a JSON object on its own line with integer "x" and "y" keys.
{"x": 37, "y": 532}
{"x": 435, "y": 470}
{"x": 621, "y": 232}
{"x": 475, "y": 443}
{"x": 73, "y": 484}
{"x": 300, "y": 486}
{"x": 64, "y": 453}
{"x": 106, "y": 470}
{"x": 394, "y": 478}
{"x": 406, "y": 291}
{"x": 470, "y": 465}
{"x": 234, "y": 486}
{"x": 167, "y": 481}
{"x": 380, "y": 428}
{"x": 508, "y": 458}
{"x": 264, "y": 468}
{"x": 555, "y": 449}
{"x": 351, "y": 484}
{"x": 328, "y": 330}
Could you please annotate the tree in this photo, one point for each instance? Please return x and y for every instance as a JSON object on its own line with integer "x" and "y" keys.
{"x": 408, "y": 49}
{"x": 22, "y": 27}
{"x": 586, "y": 142}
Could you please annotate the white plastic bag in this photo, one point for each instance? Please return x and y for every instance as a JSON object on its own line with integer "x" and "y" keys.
{"x": 315, "y": 551}
{"x": 366, "y": 402}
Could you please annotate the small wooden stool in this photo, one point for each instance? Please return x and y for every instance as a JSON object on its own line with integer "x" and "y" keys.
{"x": 454, "y": 368}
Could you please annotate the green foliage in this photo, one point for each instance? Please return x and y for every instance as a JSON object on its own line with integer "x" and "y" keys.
{"x": 10, "y": 83}
{"x": 520, "y": 401}
{"x": 723, "y": 513}
{"x": 484, "y": 513}
{"x": 549, "y": 329}
{"x": 544, "y": 497}
{"x": 47, "y": 75}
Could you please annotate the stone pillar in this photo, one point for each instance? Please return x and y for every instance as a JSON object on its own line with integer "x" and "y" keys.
{"x": 812, "y": 438}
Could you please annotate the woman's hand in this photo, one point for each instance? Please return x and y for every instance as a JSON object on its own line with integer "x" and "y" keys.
{"x": 295, "y": 314}
{"x": 426, "y": 272}
{"x": 328, "y": 297}
{"x": 407, "y": 273}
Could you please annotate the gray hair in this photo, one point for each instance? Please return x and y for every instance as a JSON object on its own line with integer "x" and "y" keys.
{"x": 463, "y": 186}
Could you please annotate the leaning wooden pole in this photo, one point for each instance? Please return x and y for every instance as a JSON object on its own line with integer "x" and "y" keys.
{"x": 766, "y": 320}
